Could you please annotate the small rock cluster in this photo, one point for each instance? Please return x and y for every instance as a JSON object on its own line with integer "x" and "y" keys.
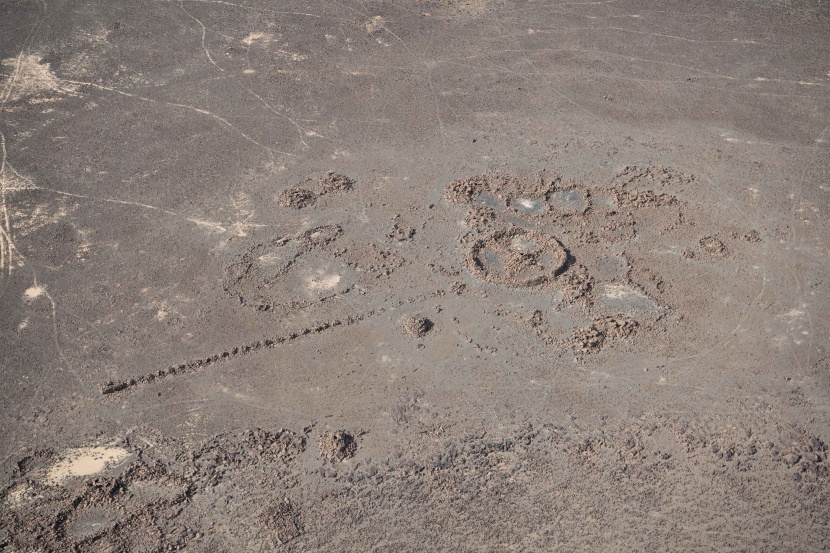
{"x": 298, "y": 197}
{"x": 337, "y": 446}
{"x": 808, "y": 454}
{"x": 417, "y": 326}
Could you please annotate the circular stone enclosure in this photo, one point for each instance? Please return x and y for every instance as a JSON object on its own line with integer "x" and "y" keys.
{"x": 517, "y": 258}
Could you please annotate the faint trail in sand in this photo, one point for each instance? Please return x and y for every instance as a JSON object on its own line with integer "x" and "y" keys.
{"x": 7, "y": 247}
{"x": 204, "y": 30}
{"x": 199, "y": 222}
{"x": 201, "y": 111}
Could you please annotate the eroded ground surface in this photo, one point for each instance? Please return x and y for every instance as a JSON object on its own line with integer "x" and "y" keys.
{"x": 414, "y": 276}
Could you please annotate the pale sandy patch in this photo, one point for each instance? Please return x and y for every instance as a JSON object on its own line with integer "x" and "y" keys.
{"x": 84, "y": 461}
{"x": 257, "y": 36}
{"x": 34, "y": 292}
{"x": 618, "y": 291}
{"x": 323, "y": 282}
{"x": 30, "y": 77}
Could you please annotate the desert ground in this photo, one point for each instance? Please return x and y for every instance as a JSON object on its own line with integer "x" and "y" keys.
{"x": 456, "y": 275}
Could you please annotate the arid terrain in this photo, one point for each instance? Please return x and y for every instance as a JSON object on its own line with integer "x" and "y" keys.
{"x": 451, "y": 275}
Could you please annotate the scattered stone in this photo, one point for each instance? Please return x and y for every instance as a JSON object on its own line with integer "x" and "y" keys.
{"x": 337, "y": 446}
{"x": 616, "y": 326}
{"x": 458, "y": 288}
{"x": 517, "y": 258}
{"x": 297, "y": 198}
{"x": 710, "y": 245}
{"x": 335, "y": 182}
{"x": 792, "y": 458}
{"x": 463, "y": 191}
{"x": 400, "y": 233}
{"x": 590, "y": 339}
{"x": 480, "y": 218}
{"x": 587, "y": 340}
{"x": 753, "y": 236}
{"x": 652, "y": 175}
{"x": 282, "y": 520}
{"x": 646, "y": 198}
{"x": 576, "y": 285}
{"x": 417, "y": 326}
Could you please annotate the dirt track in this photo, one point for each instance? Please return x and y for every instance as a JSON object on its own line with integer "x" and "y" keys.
{"x": 414, "y": 276}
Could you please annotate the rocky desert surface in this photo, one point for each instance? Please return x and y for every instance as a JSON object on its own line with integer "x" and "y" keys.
{"x": 451, "y": 275}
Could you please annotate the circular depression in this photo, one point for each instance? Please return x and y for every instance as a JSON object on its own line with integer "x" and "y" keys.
{"x": 517, "y": 258}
